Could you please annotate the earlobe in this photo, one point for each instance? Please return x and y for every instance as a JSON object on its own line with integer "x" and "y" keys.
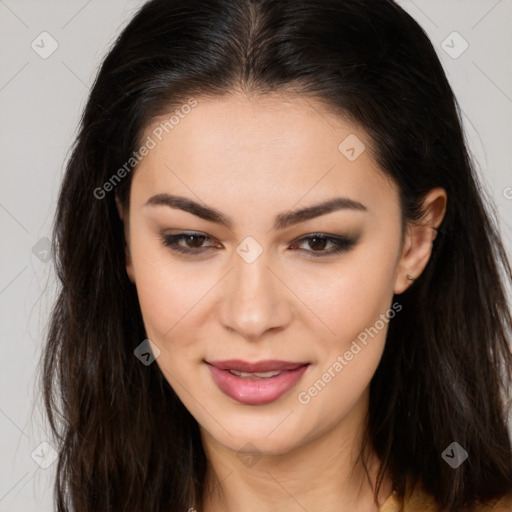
{"x": 419, "y": 240}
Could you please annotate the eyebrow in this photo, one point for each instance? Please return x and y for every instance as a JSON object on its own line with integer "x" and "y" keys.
{"x": 282, "y": 220}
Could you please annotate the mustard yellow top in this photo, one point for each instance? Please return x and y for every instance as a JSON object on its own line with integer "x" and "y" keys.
{"x": 418, "y": 500}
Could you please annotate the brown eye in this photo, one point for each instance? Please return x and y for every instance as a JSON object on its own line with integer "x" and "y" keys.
{"x": 318, "y": 242}
{"x": 191, "y": 242}
{"x": 195, "y": 241}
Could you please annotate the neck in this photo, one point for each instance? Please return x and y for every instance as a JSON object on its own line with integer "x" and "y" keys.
{"x": 326, "y": 473}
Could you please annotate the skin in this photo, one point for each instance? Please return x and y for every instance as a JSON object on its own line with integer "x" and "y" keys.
{"x": 252, "y": 159}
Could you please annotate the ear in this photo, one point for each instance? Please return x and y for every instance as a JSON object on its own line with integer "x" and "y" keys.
{"x": 129, "y": 264}
{"x": 419, "y": 239}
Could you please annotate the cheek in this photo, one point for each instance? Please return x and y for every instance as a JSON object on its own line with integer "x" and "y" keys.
{"x": 168, "y": 293}
{"x": 357, "y": 307}
{"x": 350, "y": 297}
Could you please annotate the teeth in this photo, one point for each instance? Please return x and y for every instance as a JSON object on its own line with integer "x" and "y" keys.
{"x": 262, "y": 375}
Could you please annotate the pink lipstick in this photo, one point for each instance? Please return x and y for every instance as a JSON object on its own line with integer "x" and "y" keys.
{"x": 256, "y": 383}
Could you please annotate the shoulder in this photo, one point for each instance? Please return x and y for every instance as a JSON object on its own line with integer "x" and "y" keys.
{"x": 502, "y": 505}
{"x": 415, "y": 500}
{"x": 418, "y": 500}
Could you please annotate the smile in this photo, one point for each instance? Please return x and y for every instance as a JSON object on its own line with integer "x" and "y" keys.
{"x": 267, "y": 381}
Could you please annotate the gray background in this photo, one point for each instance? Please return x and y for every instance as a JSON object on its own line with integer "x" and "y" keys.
{"x": 40, "y": 103}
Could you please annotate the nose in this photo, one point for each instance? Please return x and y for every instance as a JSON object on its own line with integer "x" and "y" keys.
{"x": 255, "y": 300}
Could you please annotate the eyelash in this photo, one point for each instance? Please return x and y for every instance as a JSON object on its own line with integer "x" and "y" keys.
{"x": 341, "y": 243}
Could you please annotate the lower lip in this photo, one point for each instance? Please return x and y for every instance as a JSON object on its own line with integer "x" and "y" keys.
{"x": 256, "y": 392}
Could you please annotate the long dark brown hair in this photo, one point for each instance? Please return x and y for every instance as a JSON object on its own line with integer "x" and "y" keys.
{"x": 125, "y": 441}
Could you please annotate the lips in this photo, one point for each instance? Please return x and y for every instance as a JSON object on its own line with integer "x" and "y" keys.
{"x": 256, "y": 383}
{"x": 272, "y": 365}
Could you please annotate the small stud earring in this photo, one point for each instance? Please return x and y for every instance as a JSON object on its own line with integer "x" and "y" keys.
{"x": 410, "y": 278}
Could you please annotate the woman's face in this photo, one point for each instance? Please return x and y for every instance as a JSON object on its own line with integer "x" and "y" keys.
{"x": 255, "y": 284}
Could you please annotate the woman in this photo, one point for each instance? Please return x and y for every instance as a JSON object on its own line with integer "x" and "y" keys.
{"x": 280, "y": 287}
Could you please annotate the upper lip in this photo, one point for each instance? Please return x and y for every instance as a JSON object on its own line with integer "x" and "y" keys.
{"x": 259, "y": 366}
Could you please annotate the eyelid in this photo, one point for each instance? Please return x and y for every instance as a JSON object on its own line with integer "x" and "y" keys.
{"x": 341, "y": 243}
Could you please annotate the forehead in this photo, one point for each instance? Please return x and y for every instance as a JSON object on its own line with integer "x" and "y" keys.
{"x": 274, "y": 146}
